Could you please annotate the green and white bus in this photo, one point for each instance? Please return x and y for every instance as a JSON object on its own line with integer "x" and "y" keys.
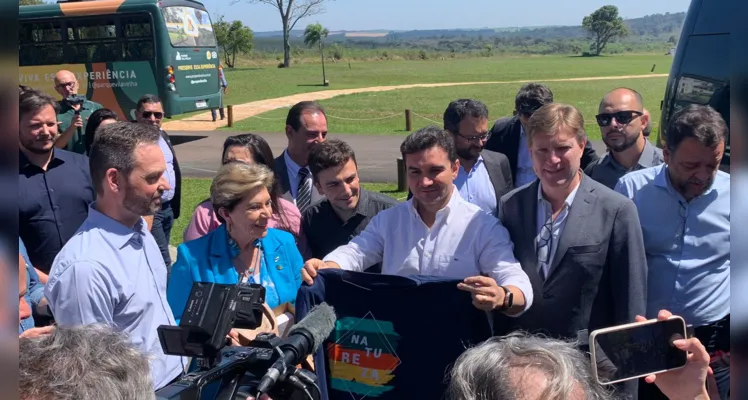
{"x": 121, "y": 50}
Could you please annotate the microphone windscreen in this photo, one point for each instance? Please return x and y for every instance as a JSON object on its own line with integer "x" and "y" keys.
{"x": 319, "y": 323}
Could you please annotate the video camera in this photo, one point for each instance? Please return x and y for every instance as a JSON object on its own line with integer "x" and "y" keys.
{"x": 76, "y": 100}
{"x": 211, "y": 311}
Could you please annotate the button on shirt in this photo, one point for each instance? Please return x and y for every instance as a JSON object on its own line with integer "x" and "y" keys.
{"x": 476, "y": 187}
{"x": 52, "y": 204}
{"x": 462, "y": 242}
{"x": 170, "y": 176}
{"x": 607, "y": 170}
{"x": 112, "y": 274}
{"x": 525, "y": 172}
{"x": 544, "y": 215}
{"x": 687, "y": 244}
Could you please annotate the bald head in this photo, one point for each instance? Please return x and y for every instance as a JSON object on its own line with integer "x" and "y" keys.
{"x": 66, "y": 83}
{"x": 622, "y": 96}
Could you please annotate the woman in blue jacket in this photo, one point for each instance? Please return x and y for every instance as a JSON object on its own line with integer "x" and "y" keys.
{"x": 243, "y": 248}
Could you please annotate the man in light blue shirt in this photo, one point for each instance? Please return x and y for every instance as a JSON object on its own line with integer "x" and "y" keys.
{"x": 484, "y": 176}
{"x": 111, "y": 271}
{"x": 684, "y": 209}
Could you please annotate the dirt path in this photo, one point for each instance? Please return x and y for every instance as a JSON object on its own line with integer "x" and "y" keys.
{"x": 202, "y": 121}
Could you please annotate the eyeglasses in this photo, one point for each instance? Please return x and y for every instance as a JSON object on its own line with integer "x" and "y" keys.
{"x": 66, "y": 84}
{"x": 475, "y": 139}
{"x": 623, "y": 117}
{"x": 157, "y": 114}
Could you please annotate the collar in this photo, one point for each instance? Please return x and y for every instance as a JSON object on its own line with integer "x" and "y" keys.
{"x": 117, "y": 233}
{"x": 58, "y": 158}
{"x": 646, "y": 158}
{"x": 363, "y": 203}
{"x": 662, "y": 179}
{"x": 445, "y": 212}
{"x": 65, "y": 106}
{"x": 291, "y": 165}
{"x": 569, "y": 199}
{"x": 477, "y": 164}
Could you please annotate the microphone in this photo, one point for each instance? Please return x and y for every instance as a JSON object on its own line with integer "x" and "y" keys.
{"x": 303, "y": 339}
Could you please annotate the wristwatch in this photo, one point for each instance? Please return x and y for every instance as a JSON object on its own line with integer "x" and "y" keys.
{"x": 508, "y": 298}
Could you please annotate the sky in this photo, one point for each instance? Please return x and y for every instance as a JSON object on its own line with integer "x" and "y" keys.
{"x": 438, "y": 14}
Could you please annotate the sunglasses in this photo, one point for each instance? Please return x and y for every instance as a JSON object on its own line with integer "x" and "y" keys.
{"x": 157, "y": 114}
{"x": 475, "y": 139}
{"x": 623, "y": 117}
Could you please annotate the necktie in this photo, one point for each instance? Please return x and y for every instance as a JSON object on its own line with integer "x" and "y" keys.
{"x": 304, "y": 194}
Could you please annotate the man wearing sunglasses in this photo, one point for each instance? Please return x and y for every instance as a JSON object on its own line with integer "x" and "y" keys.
{"x": 622, "y": 123}
{"x": 150, "y": 111}
{"x": 484, "y": 176}
{"x": 509, "y": 134}
{"x": 72, "y": 117}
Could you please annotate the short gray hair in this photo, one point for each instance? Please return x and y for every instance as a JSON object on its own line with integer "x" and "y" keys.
{"x": 83, "y": 362}
{"x": 493, "y": 369}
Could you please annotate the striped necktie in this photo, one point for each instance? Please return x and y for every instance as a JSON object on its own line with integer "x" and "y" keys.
{"x": 304, "y": 193}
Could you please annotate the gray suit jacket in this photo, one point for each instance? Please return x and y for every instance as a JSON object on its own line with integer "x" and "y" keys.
{"x": 283, "y": 182}
{"x": 598, "y": 276}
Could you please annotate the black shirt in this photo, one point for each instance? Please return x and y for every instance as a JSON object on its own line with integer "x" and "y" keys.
{"x": 52, "y": 204}
{"x": 324, "y": 229}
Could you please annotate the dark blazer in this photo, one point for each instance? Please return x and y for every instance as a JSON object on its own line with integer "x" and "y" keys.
{"x": 500, "y": 173}
{"x": 176, "y": 202}
{"x": 505, "y": 135}
{"x": 284, "y": 184}
{"x": 598, "y": 276}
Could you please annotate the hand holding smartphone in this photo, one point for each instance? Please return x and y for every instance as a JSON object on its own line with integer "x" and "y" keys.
{"x": 636, "y": 350}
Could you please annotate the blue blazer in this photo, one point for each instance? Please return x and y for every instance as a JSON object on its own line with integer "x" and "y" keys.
{"x": 208, "y": 259}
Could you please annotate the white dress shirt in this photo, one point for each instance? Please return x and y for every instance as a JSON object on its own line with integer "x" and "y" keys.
{"x": 463, "y": 242}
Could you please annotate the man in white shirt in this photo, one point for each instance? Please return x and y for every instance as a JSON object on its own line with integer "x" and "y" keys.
{"x": 437, "y": 233}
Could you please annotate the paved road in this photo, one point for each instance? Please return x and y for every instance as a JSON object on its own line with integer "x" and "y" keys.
{"x": 199, "y": 153}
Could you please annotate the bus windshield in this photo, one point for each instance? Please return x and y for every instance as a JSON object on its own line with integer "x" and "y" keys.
{"x": 188, "y": 27}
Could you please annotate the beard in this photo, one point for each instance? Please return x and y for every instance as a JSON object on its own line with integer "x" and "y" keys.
{"x": 466, "y": 153}
{"x": 142, "y": 204}
{"x": 686, "y": 188}
{"x": 622, "y": 146}
{"x": 36, "y": 146}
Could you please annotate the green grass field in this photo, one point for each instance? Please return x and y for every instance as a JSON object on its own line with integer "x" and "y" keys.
{"x": 196, "y": 190}
{"x": 256, "y": 83}
{"x": 367, "y": 113}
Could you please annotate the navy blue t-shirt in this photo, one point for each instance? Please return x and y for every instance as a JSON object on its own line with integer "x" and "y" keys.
{"x": 395, "y": 337}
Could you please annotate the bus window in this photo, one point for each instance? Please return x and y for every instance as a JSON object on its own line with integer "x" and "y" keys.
{"x": 92, "y": 40}
{"x": 40, "y": 43}
{"x": 189, "y": 27}
{"x": 137, "y": 37}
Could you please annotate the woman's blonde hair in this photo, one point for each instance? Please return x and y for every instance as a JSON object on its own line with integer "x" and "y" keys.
{"x": 547, "y": 121}
{"x": 234, "y": 181}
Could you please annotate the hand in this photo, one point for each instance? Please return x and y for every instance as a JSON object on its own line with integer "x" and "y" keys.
{"x": 309, "y": 272}
{"x": 77, "y": 121}
{"x": 487, "y": 295}
{"x": 36, "y": 332}
{"x": 233, "y": 336}
{"x": 688, "y": 382}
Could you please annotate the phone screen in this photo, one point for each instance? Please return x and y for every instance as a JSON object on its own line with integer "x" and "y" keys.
{"x": 639, "y": 350}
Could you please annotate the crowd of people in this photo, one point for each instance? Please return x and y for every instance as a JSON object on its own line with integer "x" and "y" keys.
{"x": 548, "y": 237}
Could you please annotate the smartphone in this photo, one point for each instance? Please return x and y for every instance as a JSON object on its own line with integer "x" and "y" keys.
{"x": 635, "y": 350}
